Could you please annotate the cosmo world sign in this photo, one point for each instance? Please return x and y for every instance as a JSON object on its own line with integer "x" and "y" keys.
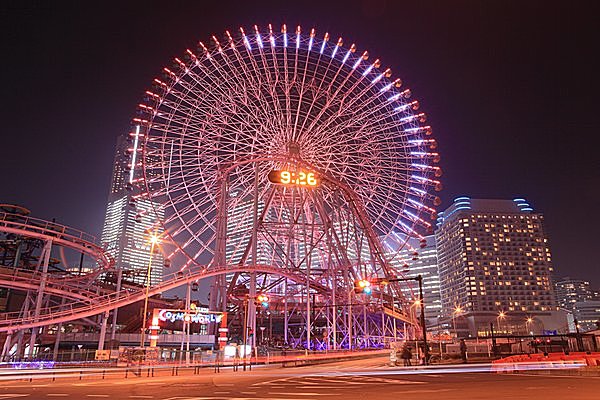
{"x": 198, "y": 315}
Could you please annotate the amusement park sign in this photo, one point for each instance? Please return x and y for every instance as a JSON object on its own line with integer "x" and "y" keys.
{"x": 199, "y": 316}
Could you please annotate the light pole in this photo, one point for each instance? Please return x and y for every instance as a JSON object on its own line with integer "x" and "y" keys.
{"x": 154, "y": 241}
{"x": 501, "y": 316}
{"x": 528, "y": 322}
{"x": 457, "y": 310}
{"x": 421, "y": 302}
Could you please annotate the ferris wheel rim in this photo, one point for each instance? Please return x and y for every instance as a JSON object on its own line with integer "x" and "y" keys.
{"x": 419, "y": 181}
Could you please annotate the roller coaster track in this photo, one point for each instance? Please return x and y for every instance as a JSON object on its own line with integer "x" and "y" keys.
{"x": 29, "y": 280}
{"x": 87, "y": 302}
{"x": 60, "y": 235}
{"x": 100, "y": 304}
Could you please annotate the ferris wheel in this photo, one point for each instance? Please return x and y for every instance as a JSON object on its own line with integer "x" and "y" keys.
{"x": 279, "y": 108}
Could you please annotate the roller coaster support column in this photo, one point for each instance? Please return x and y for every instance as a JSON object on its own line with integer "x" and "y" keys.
{"x": 45, "y": 259}
{"x": 113, "y": 328}
{"x": 103, "y": 330}
{"x": 6, "y": 348}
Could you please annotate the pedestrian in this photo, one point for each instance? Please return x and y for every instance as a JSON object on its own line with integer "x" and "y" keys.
{"x": 406, "y": 355}
{"x": 463, "y": 351}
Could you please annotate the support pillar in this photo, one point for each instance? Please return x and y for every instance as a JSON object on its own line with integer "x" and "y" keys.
{"x": 103, "y": 330}
{"x": 40, "y": 294}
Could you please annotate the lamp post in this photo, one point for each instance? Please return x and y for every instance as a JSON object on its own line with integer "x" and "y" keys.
{"x": 501, "y": 316}
{"x": 421, "y": 302}
{"x": 457, "y": 310}
{"x": 528, "y": 322}
{"x": 154, "y": 241}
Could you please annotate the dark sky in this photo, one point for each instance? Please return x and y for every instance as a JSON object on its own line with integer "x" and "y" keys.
{"x": 511, "y": 89}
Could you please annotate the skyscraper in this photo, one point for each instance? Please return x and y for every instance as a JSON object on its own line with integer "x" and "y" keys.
{"x": 129, "y": 221}
{"x": 426, "y": 265}
{"x": 495, "y": 268}
{"x": 570, "y": 291}
{"x": 576, "y": 296}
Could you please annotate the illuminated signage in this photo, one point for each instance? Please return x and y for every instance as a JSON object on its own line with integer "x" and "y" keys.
{"x": 199, "y": 316}
{"x": 299, "y": 178}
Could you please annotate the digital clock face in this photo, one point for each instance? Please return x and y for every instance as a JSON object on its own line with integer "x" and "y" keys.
{"x": 299, "y": 177}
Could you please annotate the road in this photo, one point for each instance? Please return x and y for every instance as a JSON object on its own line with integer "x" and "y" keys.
{"x": 360, "y": 379}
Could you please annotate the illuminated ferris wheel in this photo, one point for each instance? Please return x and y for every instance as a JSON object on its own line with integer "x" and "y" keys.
{"x": 262, "y": 102}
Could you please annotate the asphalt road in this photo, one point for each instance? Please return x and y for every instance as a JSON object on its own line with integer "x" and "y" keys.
{"x": 362, "y": 379}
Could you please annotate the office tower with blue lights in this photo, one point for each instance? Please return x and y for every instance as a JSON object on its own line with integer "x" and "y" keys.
{"x": 495, "y": 269}
{"x": 129, "y": 220}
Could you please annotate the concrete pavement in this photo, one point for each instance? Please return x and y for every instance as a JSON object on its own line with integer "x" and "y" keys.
{"x": 357, "y": 379}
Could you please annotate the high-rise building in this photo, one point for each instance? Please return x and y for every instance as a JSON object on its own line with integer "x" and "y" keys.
{"x": 569, "y": 291}
{"x": 587, "y": 314}
{"x": 129, "y": 221}
{"x": 495, "y": 268}
{"x": 576, "y": 296}
{"x": 423, "y": 263}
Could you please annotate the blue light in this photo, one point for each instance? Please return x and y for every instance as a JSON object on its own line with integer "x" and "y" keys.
{"x": 518, "y": 200}
{"x": 285, "y": 39}
{"x": 408, "y": 119}
{"x": 298, "y": 41}
{"x": 272, "y": 41}
{"x": 369, "y": 68}
{"x": 346, "y": 57}
{"x": 527, "y": 209}
{"x": 462, "y": 198}
{"x": 418, "y": 153}
{"x": 322, "y": 47}
{"x": 416, "y": 203}
{"x": 422, "y": 166}
{"x": 418, "y": 190}
{"x": 394, "y": 98}
{"x": 259, "y": 41}
{"x": 357, "y": 63}
{"x": 335, "y": 49}
{"x": 377, "y": 78}
{"x": 310, "y": 43}
{"x": 386, "y": 87}
{"x": 367, "y": 290}
{"x": 247, "y": 43}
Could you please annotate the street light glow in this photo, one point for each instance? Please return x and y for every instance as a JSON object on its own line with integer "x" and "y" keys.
{"x": 154, "y": 239}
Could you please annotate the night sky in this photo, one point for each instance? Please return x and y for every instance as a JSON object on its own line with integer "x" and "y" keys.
{"x": 511, "y": 89}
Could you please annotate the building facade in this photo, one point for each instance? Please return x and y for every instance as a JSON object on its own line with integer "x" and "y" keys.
{"x": 576, "y": 296}
{"x": 129, "y": 221}
{"x": 495, "y": 269}
{"x": 570, "y": 291}
{"x": 426, "y": 265}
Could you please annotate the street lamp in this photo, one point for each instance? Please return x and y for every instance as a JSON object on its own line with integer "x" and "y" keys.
{"x": 528, "y": 325}
{"x": 501, "y": 316}
{"x": 154, "y": 241}
{"x": 457, "y": 310}
{"x": 420, "y": 300}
